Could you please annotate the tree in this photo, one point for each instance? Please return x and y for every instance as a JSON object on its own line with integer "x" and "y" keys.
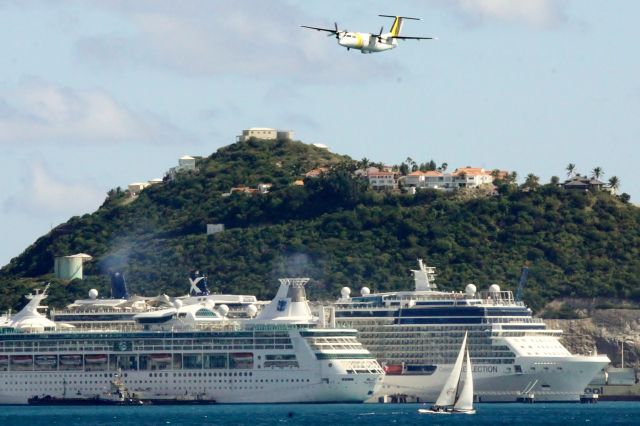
{"x": 365, "y": 163}
{"x": 555, "y": 180}
{"x": 404, "y": 169}
{"x": 571, "y": 168}
{"x": 531, "y": 181}
{"x": 597, "y": 172}
{"x": 443, "y": 167}
{"x": 614, "y": 184}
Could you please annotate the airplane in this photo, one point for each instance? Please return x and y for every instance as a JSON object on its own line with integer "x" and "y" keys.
{"x": 371, "y": 43}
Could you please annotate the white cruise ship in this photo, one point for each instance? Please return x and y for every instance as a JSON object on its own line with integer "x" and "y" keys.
{"x": 190, "y": 351}
{"x": 416, "y": 334}
{"x": 121, "y": 308}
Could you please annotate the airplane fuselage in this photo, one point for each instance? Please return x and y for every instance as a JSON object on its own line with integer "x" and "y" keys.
{"x": 366, "y": 42}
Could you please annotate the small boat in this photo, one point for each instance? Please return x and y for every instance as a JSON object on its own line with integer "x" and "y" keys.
{"x": 92, "y": 400}
{"x": 117, "y": 395}
{"x": 71, "y": 359}
{"x": 21, "y": 359}
{"x": 46, "y": 360}
{"x": 452, "y": 399}
{"x": 242, "y": 359}
{"x": 160, "y": 357}
{"x": 95, "y": 359}
{"x": 393, "y": 369}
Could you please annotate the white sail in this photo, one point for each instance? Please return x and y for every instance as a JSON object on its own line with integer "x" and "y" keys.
{"x": 447, "y": 396}
{"x": 465, "y": 399}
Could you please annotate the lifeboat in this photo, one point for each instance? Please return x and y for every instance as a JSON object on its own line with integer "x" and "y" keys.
{"x": 95, "y": 359}
{"x": 242, "y": 359}
{"x": 160, "y": 357}
{"x": 71, "y": 359}
{"x": 393, "y": 369}
{"x": 46, "y": 360}
{"x": 4, "y": 359}
{"x": 22, "y": 359}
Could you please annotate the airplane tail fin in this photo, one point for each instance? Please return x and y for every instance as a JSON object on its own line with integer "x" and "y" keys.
{"x": 396, "y": 27}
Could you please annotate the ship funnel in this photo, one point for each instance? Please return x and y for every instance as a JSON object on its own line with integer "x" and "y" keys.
{"x": 198, "y": 283}
{"x": 118, "y": 286}
{"x": 290, "y": 303}
{"x": 424, "y": 277}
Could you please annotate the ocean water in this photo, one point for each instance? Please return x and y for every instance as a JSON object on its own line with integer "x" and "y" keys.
{"x": 603, "y": 413}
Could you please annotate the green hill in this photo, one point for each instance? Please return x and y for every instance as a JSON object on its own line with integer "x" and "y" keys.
{"x": 338, "y": 232}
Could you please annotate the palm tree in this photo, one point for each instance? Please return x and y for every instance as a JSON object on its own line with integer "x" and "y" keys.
{"x": 532, "y": 181}
{"x": 365, "y": 163}
{"x": 571, "y": 168}
{"x": 597, "y": 172}
{"x": 443, "y": 167}
{"x": 614, "y": 184}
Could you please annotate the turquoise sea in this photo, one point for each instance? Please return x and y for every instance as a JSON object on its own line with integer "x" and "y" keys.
{"x": 603, "y": 413}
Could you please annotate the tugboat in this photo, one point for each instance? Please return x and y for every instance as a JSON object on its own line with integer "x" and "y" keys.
{"x": 117, "y": 395}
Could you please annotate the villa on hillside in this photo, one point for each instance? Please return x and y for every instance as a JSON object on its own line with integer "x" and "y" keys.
{"x": 463, "y": 177}
{"x": 317, "y": 172}
{"x": 264, "y": 133}
{"x": 583, "y": 183}
{"x": 382, "y": 181}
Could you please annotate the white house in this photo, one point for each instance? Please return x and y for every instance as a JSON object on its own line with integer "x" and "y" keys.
{"x": 382, "y": 180}
{"x": 186, "y": 163}
{"x": 264, "y": 133}
{"x": 463, "y": 177}
{"x": 214, "y": 228}
{"x": 136, "y": 187}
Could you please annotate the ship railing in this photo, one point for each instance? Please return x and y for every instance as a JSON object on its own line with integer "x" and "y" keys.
{"x": 498, "y": 297}
{"x": 122, "y": 310}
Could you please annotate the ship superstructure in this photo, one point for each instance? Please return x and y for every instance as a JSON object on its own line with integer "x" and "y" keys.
{"x": 192, "y": 351}
{"x": 121, "y": 308}
{"x": 415, "y": 335}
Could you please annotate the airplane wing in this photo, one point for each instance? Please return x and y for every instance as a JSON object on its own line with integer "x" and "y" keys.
{"x": 321, "y": 29}
{"x": 414, "y": 38}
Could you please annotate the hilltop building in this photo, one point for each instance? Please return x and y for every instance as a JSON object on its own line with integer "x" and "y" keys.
{"x": 463, "y": 177}
{"x": 314, "y": 173}
{"x": 264, "y": 133}
{"x": 136, "y": 188}
{"x": 382, "y": 181}
{"x": 583, "y": 183}
{"x": 186, "y": 163}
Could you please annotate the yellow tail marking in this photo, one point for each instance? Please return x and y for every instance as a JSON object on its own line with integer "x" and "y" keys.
{"x": 395, "y": 28}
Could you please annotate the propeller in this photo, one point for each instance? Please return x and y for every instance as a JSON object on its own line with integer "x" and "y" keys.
{"x": 379, "y": 34}
{"x": 338, "y": 33}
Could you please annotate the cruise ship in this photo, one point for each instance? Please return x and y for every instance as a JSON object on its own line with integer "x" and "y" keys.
{"x": 120, "y": 308}
{"x": 283, "y": 355}
{"x": 415, "y": 335}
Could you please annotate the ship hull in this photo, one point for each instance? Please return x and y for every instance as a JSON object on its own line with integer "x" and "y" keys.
{"x": 261, "y": 387}
{"x": 563, "y": 380}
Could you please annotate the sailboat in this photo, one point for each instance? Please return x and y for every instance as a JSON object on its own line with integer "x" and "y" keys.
{"x": 452, "y": 399}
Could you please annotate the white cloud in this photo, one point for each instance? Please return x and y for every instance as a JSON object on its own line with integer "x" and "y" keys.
{"x": 37, "y": 111}
{"x": 42, "y": 194}
{"x": 204, "y": 38}
{"x": 537, "y": 13}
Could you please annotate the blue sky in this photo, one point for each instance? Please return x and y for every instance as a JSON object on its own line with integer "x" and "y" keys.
{"x": 98, "y": 94}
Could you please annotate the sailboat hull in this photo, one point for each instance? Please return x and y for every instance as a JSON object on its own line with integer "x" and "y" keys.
{"x": 427, "y": 411}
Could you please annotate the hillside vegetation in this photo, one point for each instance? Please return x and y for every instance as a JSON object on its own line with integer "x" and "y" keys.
{"x": 338, "y": 232}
